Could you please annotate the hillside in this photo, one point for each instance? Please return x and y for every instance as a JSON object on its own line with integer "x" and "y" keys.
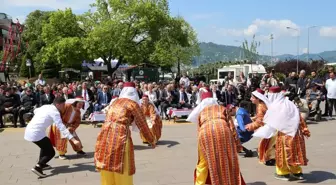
{"x": 211, "y": 52}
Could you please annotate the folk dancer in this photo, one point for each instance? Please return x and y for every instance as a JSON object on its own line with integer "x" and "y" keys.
{"x": 283, "y": 120}
{"x": 154, "y": 121}
{"x": 35, "y": 132}
{"x": 217, "y": 150}
{"x": 266, "y": 149}
{"x": 71, "y": 116}
{"x": 114, "y": 152}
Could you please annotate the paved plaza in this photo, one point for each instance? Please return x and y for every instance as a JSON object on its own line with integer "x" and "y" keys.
{"x": 171, "y": 163}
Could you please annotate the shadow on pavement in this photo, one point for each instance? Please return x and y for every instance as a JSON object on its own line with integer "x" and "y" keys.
{"x": 159, "y": 143}
{"x": 166, "y": 142}
{"x": 1, "y": 130}
{"x": 73, "y": 168}
{"x": 88, "y": 155}
{"x": 256, "y": 183}
{"x": 315, "y": 177}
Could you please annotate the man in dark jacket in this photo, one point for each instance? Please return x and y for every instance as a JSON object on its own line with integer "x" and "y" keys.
{"x": 28, "y": 101}
{"x": 9, "y": 105}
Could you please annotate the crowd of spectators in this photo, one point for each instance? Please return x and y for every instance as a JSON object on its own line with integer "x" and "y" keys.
{"x": 21, "y": 99}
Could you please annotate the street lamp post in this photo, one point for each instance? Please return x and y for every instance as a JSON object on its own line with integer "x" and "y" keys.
{"x": 28, "y": 64}
{"x": 271, "y": 37}
{"x": 298, "y": 48}
{"x": 308, "y": 41}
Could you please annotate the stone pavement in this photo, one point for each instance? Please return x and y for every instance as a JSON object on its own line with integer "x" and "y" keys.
{"x": 171, "y": 163}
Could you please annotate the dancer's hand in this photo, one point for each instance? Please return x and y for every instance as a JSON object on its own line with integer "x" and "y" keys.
{"x": 153, "y": 145}
{"x": 76, "y": 142}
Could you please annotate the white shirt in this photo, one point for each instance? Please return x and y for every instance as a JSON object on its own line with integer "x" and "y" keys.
{"x": 331, "y": 88}
{"x": 85, "y": 96}
{"x": 151, "y": 96}
{"x": 43, "y": 118}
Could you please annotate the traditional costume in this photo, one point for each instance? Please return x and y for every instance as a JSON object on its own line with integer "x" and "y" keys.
{"x": 154, "y": 121}
{"x": 266, "y": 149}
{"x": 217, "y": 150}
{"x": 283, "y": 120}
{"x": 71, "y": 118}
{"x": 114, "y": 152}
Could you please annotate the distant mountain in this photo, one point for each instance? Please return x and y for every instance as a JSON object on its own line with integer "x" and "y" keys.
{"x": 211, "y": 52}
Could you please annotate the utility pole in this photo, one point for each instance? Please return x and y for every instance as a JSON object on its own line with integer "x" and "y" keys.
{"x": 271, "y": 37}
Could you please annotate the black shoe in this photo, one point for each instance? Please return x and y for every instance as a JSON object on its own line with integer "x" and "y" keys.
{"x": 270, "y": 162}
{"x": 38, "y": 171}
{"x": 23, "y": 126}
{"x": 248, "y": 153}
{"x": 298, "y": 176}
{"x": 46, "y": 167}
{"x": 81, "y": 153}
{"x": 15, "y": 126}
{"x": 2, "y": 126}
{"x": 145, "y": 143}
{"x": 282, "y": 177}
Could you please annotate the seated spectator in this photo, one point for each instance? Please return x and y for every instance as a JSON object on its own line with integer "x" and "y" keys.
{"x": 48, "y": 97}
{"x": 66, "y": 94}
{"x": 229, "y": 96}
{"x": 313, "y": 97}
{"x": 183, "y": 99}
{"x": 103, "y": 99}
{"x": 9, "y": 105}
{"x": 28, "y": 102}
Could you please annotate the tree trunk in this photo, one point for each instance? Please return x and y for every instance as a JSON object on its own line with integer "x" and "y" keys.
{"x": 178, "y": 67}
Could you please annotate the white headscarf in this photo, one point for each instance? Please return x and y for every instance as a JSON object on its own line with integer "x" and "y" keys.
{"x": 193, "y": 117}
{"x": 282, "y": 115}
{"x": 199, "y": 95}
{"x": 261, "y": 97}
{"x": 132, "y": 94}
{"x": 86, "y": 104}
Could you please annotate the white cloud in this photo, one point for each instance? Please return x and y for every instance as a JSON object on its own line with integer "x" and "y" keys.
{"x": 251, "y": 30}
{"x": 52, "y": 4}
{"x": 328, "y": 31}
{"x": 277, "y": 27}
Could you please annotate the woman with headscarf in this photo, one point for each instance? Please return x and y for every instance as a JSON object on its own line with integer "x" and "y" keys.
{"x": 266, "y": 147}
{"x": 217, "y": 150}
{"x": 283, "y": 121}
{"x": 71, "y": 117}
{"x": 154, "y": 121}
{"x": 114, "y": 152}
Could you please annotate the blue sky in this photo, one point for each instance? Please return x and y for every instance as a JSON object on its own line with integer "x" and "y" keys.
{"x": 229, "y": 22}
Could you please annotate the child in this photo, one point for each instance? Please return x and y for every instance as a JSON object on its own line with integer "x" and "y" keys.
{"x": 243, "y": 118}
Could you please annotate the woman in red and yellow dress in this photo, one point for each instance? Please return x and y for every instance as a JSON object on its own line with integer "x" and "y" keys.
{"x": 114, "y": 152}
{"x": 71, "y": 117}
{"x": 266, "y": 149}
{"x": 153, "y": 118}
{"x": 217, "y": 150}
{"x": 283, "y": 121}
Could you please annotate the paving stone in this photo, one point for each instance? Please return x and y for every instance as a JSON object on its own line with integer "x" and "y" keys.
{"x": 172, "y": 162}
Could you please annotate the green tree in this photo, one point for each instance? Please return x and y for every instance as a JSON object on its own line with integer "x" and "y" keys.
{"x": 130, "y": 31}
{"x": 32, "y": 36}
{"x": 64, "y": 40}
{"x": 178, "y": 44}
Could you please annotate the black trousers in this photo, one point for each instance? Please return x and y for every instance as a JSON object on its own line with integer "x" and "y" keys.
{"x": 22, "y": 112}
{"x": 331, "y": 106}
{"x": 13, "y": 111}
{"x": 47, "y": 151}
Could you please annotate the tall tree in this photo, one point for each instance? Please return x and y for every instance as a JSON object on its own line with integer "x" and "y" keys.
{"x": 129, "y": 31}
{"x": 32, "y": 36}
{"x": 178, "y": 45}
{"x": 64, "y": 40}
